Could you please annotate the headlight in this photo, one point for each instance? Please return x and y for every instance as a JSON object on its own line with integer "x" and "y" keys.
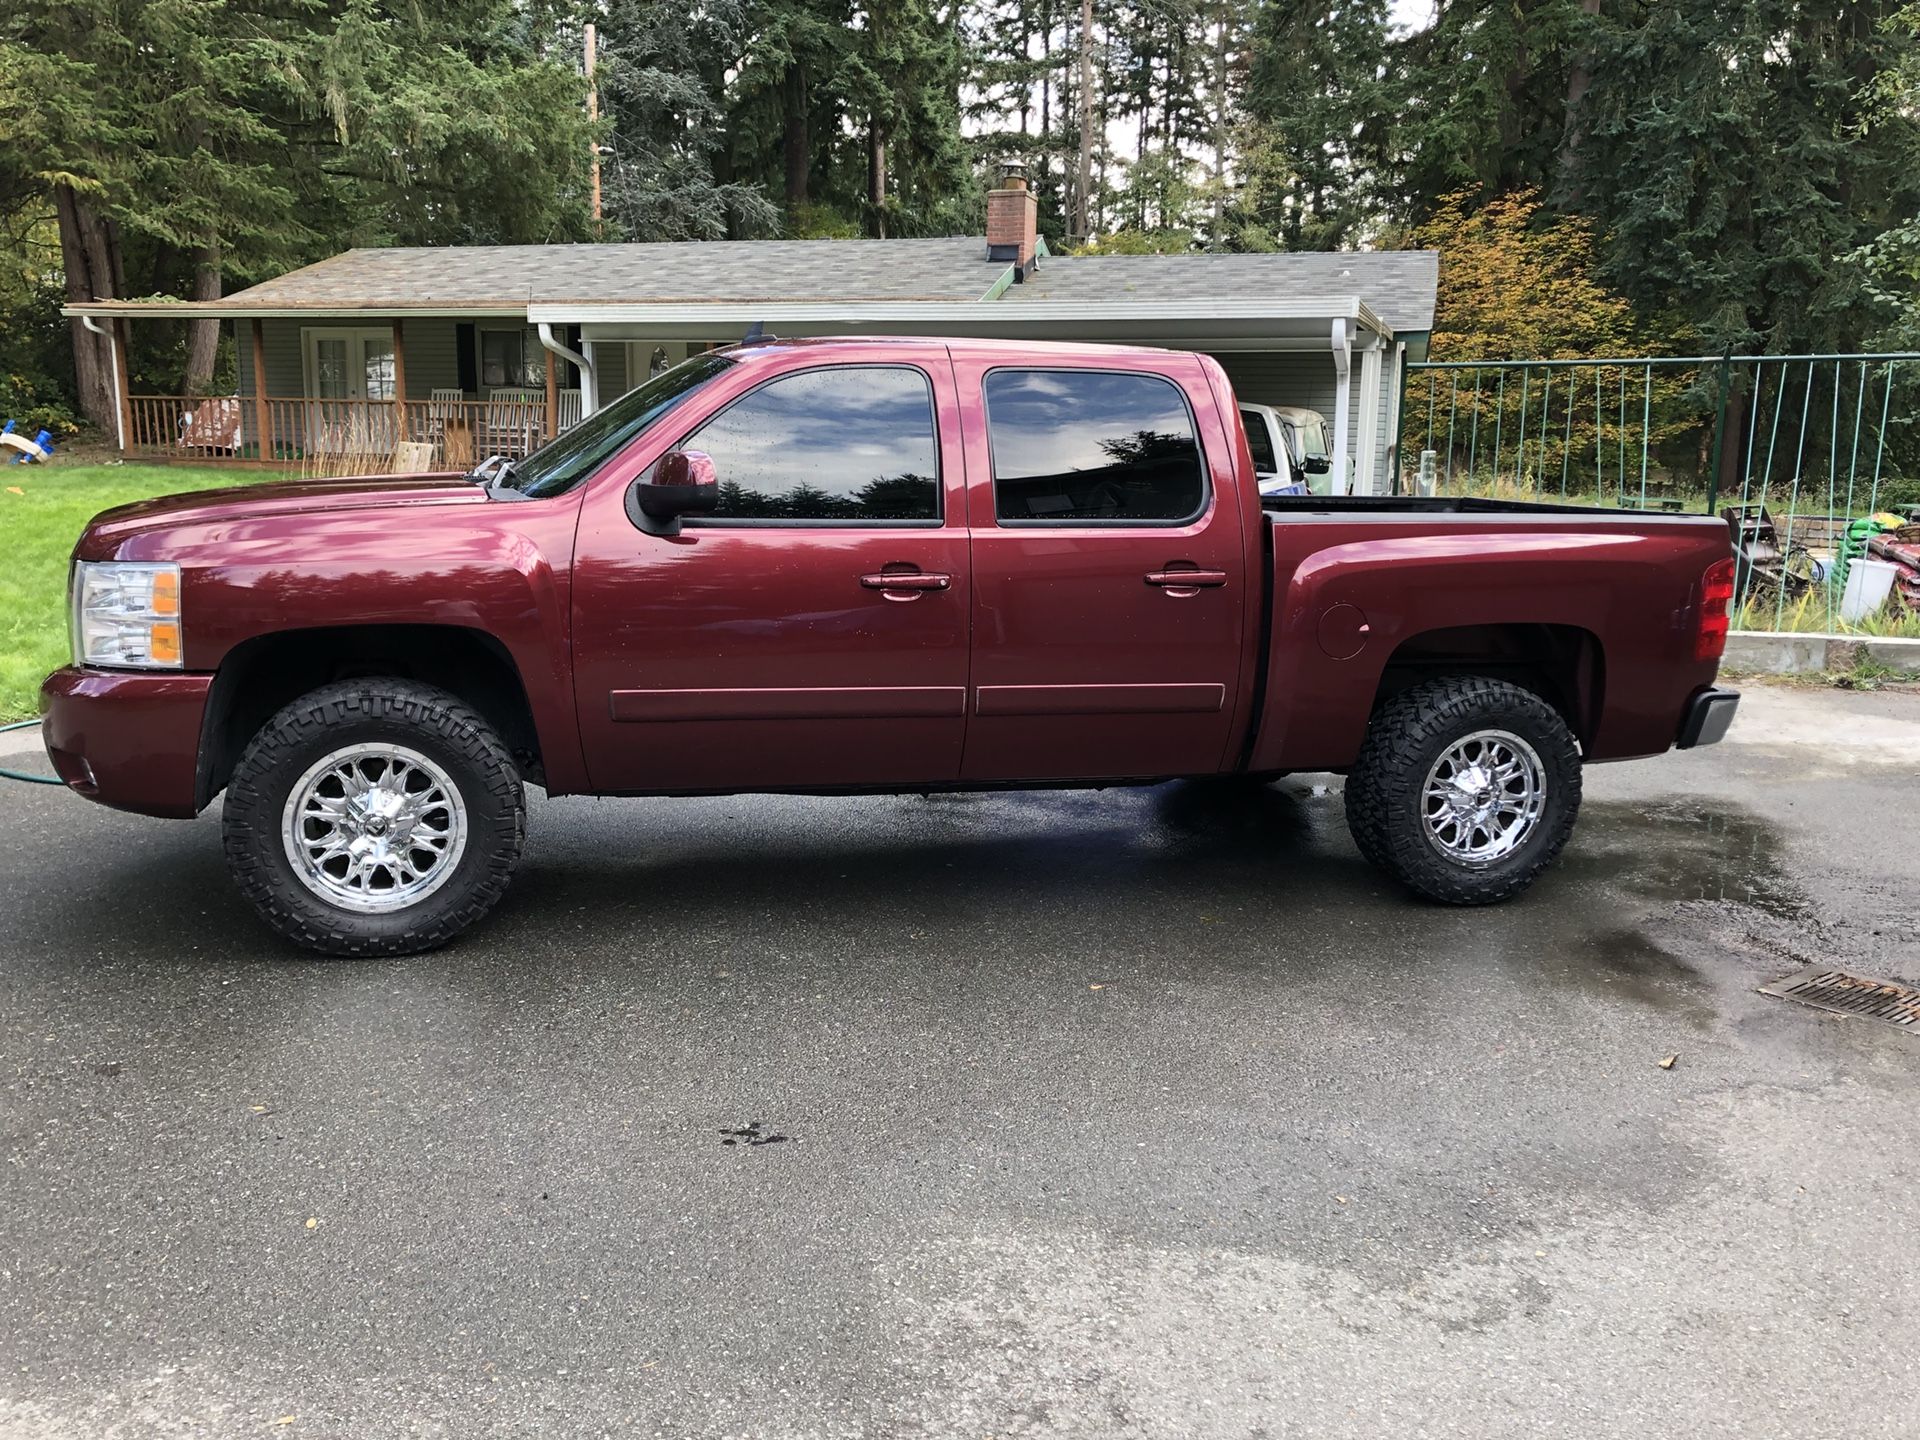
{"x": 126, "y": 615}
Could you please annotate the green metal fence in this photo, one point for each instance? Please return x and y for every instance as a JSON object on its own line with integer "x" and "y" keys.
{"x": 1817, "y": 440}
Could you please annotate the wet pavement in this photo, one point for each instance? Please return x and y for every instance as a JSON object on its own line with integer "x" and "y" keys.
{"x": 1145, "y": 1113}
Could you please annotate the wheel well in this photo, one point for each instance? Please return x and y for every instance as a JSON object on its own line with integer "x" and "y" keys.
{"x": 261, "y": 675}
{"x": 1562, "y": 664}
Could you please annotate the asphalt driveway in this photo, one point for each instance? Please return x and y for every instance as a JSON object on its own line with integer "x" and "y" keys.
{"x": 1139, "y": 1114}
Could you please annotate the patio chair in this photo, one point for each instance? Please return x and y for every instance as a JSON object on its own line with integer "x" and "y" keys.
{"x": 515, "y": 421}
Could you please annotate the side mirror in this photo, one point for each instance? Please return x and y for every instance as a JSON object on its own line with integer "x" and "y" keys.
{"x": 683, "y": 483}
{"x": 1316, "y": 465}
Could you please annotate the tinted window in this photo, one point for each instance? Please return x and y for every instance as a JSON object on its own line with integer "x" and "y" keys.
{"x": 1260, "y": 441}
{"x": 1091, "y": 445}
{"x": 852, "y": 443}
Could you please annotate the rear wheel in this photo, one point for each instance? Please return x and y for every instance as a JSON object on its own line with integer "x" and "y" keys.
{"x": 1465, "y": 790}
{"x": 374, "y": 817}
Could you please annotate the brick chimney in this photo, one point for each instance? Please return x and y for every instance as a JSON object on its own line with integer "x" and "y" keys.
{"x": 1013, "y": 221}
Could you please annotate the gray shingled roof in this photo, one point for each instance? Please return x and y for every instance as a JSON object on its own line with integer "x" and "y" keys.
{"x": 452, "y": 277}
{"x": 1397, "y": 285}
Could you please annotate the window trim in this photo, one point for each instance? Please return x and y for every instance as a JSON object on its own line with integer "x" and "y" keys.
{"x": 938, "y": 521}
{"x": 1042, "y": 522}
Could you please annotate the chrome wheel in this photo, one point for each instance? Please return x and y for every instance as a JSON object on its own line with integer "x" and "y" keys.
{"x": 1483, "y": 797}
{"x": 374, "y": 827}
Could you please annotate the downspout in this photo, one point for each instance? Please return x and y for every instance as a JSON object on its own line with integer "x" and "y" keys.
{"x": 113, "y": 358}
{"x": 1337, "y": 482}
{"x": 589, "y": 381}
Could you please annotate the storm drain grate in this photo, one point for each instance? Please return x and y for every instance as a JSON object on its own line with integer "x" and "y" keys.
{"x": 1851, "y": 995}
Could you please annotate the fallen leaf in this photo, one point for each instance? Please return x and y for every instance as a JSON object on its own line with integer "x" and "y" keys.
{"x": 313, "y": 1222}
{"x": 1667, "y": 1064}
{"x": 259, "y": 1109}
{"x": 284, "y": 1420}
{"x": 1341, "y": 1198}
{"x": 15, "y": 490}
{"x": 1539, "y": 1254}
{"x": 1100, "y": 986}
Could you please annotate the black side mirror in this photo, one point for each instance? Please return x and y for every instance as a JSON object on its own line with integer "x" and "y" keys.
{"x": 1316, "y": 465}
{"x": 683, "y": 483}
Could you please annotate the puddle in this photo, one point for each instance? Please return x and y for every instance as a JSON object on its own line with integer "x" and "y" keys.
{"x": 1684, "y": 850}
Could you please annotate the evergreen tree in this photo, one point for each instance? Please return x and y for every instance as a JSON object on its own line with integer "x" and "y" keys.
{"x": 180, "y": 142}
{"x": 1319, "y": 112}
{"x": 1479, "y": 100}
{"x": 1734, "y": 159}
{"x": 663, "y": 97}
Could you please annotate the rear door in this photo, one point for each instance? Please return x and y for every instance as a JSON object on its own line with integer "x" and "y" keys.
{"x": 1110, "y": 582}
{"x": 813, "y": 632}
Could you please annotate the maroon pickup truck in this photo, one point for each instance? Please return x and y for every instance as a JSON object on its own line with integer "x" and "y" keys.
{"x": 849, "y": 566}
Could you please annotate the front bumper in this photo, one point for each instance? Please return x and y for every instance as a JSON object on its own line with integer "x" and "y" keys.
{"x": 129, "y": 739}
{"x": 1708, "y": 716}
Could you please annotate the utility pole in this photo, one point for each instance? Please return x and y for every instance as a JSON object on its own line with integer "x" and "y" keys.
{"x": 593, "y": 119}
{"x": 1083, "y": 229}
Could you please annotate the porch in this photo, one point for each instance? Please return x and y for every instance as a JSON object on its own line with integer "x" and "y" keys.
{"x": 346, "y": 436}
{"x": 390, "y": 394}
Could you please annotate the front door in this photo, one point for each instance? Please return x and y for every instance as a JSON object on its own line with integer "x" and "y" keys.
{"x": 345, "y": 368}
{"x": 813, "y": 632}
{"x": 1109, "y": 589}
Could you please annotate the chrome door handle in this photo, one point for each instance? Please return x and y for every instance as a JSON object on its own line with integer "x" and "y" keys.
{"x": 1187, "y": 579}
{"x": 907, "y": 580}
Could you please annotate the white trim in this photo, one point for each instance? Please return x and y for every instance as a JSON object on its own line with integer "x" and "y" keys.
{"x": 1367, "y": 446}
{"x": 589, "y": 378}
{"x": 1396, "y": 393}
{"x": 1198, "y": 321}
{"x": 1341, "y": 340}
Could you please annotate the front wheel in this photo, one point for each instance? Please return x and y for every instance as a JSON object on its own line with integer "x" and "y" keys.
{"x": 1465, "y": 790}
{"x": 374, "y": 817}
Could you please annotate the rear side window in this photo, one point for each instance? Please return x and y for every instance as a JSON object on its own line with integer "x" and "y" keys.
{"x": 854, "y": 443}
{"x": 1260, "y": 441}
{"x": 1098, "y": 446}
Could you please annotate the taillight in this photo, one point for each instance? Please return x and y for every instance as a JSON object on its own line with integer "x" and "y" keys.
{"x": 1716, "y": 598}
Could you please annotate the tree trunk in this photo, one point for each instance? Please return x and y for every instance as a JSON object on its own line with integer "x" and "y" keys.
{"x": 1579, "y": 81}
{"x": 1083, "y": 226}
{"x": 1733, "y": 443}
{"x": 203, "y": 336}
{"x": 876, "y": 178}
{"x": 796, "y": 146}
{"x": 83, "y": 253}
{"x": 1216, "y": 238}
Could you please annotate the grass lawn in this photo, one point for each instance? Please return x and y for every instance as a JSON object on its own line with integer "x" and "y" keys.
{"x": 37, "y": 529}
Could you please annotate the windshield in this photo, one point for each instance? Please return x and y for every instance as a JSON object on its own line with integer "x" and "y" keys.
{"x": 1313, "y": 441}
{"x": 564, "y": 462}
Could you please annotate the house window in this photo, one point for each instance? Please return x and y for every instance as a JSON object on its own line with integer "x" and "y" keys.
{"x": 503, "y": 359}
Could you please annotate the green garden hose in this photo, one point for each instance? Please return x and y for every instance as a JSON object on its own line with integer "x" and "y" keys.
{"x": 21, "y": 774}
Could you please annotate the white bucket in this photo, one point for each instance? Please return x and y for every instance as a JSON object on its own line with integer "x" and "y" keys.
{"x": 1869, "y": 582}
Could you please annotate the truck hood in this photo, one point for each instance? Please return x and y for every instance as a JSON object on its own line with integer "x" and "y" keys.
{"x": 285, "y": 497}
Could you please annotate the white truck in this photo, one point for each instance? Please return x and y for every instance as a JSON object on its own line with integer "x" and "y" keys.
{"x": 1292, "y": 449}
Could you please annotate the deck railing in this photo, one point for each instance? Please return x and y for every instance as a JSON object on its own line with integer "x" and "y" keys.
{"x": 343, "y": 437}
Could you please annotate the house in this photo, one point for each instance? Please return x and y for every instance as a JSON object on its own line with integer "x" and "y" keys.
{"x": 472, "y": 350}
